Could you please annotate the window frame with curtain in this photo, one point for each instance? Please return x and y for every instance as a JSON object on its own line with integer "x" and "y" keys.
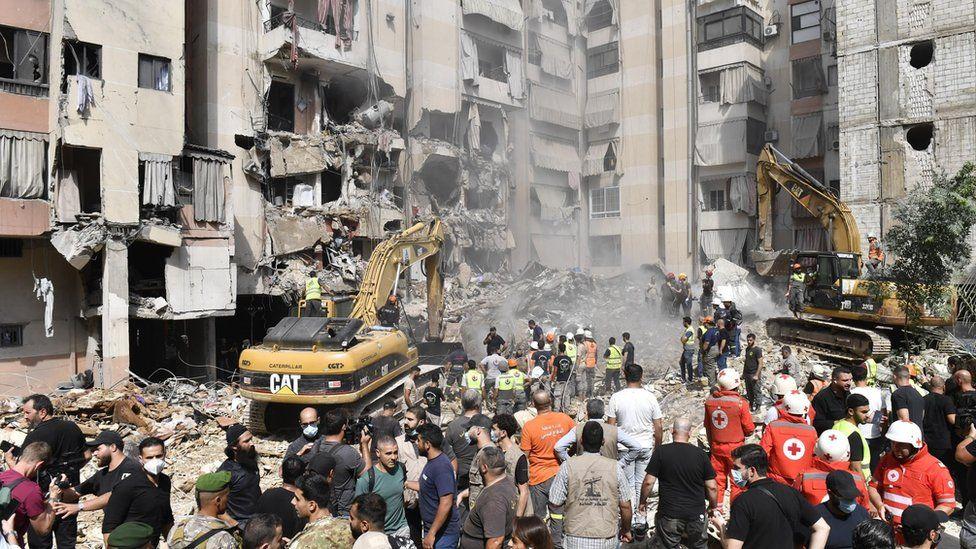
{"x": 801, "y": 16}
{"x": 603, "y": 60}
{"x": 596, "y": 20}
{"x": 604, "y": 196}
{"x": 155, "y": 73}
{"x": 716, "y": 195}
{"x": 807, "y": 77}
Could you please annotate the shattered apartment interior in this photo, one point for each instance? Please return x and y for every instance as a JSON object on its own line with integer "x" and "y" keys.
{"x": 172, "y": 171}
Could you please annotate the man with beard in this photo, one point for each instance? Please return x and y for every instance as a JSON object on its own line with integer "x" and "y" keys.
{"x": 414, "y": 463}
{"x": 303, "y": 446}
{"x": 245, "y": 481}
{"x": 349, "y": 462}
{"x": 68, "y": 454}
{"x": 437, "y": 491}
{"x": 366, "y": 522}
{"x": 206, "y": 530}
{"x": 115, "y": 467}
{"x": 143, "y": 497}
{"x": 323, "y": 529}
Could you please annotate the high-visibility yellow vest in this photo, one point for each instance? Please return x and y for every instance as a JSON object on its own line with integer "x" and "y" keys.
{"x": 615, "y": 358}
{"x": 847, "y": 428}
{"x": 506, "y": 382}
{"x": 521, "y": 380}
{"x": 473, "y": 379}
{"x": 872, "y": 371}
{"x": 797, "y": 277}
{"x": 689, "y": 335}
{"x": 571, "y": 351}
{"x": 312, "y": 288}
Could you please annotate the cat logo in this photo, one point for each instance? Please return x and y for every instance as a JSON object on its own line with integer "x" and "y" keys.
{"x": 284, "y": 384}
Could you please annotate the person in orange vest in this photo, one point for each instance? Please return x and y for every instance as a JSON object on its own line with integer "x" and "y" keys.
{"x": 728, "y": 422}
{"x": 832, "y": 453}
{"x": 589, "y": 360}
{"x": 789, "y": 440}
{"x": 909, "y": 474}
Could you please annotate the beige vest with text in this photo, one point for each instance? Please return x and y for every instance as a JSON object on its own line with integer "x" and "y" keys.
{"x": 592, "y": 497}
{"x": 609, "y": 448}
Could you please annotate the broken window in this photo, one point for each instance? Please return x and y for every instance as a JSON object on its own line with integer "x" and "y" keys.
{"x": 331, "y": 186}
{"x": 553, "y": 10}
{"x": 82, "y": 59}
{"x": 729, "y": 27}
{"x": 808, "y": 77}
{"x": 605, "y": 250}
{"x": 602, "y": 60}
{"x": 23, "y": 61}
{"x": 805, "y": 21}
{"x": 280, "y": 106}
{"x": 921, "y": 54}
{"x": 488, "y": 139}
{"x": 715, "y": 195}
{"x": 154, "y": 72}
{"x": 282, "y": 190}
{"x": 11, "y": 247}
{"x": 491, "y": 61}
{"x": 341, "y": 98}
{"x": 11, "y": 335}
{"x": 80, "y": 182}
{"x": 710, "y": 86}
{"x": 442, "y": 126}
{"x": 604, "y": 202}
{"x": 147, "y": 263}
{"x": 600, "y": 16}
{"x": 755, "y": 135}
{"x": 919, "y": 136}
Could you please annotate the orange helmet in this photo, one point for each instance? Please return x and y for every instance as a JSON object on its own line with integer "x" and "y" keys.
{"x": 512, "y": 362}
{"x": 797, "y": 266}
{"x": 392, "y": 299}
{"x": 707, "y": 320}
{"x": 550, "y": 337}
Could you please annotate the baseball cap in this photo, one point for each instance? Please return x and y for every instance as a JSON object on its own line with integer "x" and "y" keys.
{"x": 922, "y": 518}
{"x": 842, "y": 484}
{"x": 107, "y": 437}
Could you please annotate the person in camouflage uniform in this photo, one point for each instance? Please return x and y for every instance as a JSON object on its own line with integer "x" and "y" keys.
{"x": 323, "y": 530}
{"x": 205, "y": 530}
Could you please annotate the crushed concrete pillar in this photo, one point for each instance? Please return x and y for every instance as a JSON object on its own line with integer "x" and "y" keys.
{"x": 208, "y": 335}
{"x": 115, "y": 315}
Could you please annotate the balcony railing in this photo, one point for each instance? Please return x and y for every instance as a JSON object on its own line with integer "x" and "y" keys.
{"x": 279, "y": 20}
{"x": 20, "y": 87}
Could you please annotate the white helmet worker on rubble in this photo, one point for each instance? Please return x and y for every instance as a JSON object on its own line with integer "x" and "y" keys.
{"x": 783, "y": 384}
{"x": 534, "y": 345}
{"x": 729, "y": 379}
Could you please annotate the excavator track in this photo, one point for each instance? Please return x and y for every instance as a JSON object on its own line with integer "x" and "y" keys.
{"x": 831, "y": 340}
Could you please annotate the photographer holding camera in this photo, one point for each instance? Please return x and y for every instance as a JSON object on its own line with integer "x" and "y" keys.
{"x": 349, "y": 462}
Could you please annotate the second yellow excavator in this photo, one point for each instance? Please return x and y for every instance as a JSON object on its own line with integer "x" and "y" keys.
{"x": 845, "y": 322}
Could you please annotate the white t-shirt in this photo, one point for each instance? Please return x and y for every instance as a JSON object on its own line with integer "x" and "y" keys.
{"x": 493, "y": 364}
{"x": 635, "y": 410}
{"x": 875, "y": 403}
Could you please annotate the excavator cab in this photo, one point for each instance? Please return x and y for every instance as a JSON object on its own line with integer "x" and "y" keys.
{"x": 826, "y": 275}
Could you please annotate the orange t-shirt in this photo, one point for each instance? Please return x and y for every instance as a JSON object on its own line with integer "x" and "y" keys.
{"x": 539, "y": 438}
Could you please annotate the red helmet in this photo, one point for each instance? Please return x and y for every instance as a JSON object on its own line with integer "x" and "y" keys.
{"x": 670, "y": 275}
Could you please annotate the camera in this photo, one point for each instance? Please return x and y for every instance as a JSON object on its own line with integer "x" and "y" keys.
{"x": 965, "y": 413}
{"x": 355, "y": 428}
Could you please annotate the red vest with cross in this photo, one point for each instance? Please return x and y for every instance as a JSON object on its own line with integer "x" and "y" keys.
{"x": 789, "y": 443}
{"x": 812, "y": 483}
{"x": 727, "y": 420}
{"x": 922, "y": 479}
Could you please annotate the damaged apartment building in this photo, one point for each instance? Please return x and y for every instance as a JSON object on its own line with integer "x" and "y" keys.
{"x": 115, "y": 229}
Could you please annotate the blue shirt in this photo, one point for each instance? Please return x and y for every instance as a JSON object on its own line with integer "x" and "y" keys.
{"x": 711, "y": 337}
{"x": 437, "y": 480}
{"x": 841, "y": 528}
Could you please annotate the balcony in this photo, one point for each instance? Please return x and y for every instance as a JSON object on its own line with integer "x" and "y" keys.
{"x": 278, "y": 20}
{"x": 21, "y": 87}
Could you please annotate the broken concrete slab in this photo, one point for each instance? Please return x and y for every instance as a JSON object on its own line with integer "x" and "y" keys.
{"x": 164, "y": 235}
{"x": 80, "y": 243}
{"x": 292, "y": 233}
{"x": 294, "y": 155}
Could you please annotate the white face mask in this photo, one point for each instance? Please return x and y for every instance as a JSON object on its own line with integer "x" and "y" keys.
{"x": 154, "y": 466}
{"x": 310, "y": 431}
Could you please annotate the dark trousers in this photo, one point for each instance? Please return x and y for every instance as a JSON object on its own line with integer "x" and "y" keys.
{"x": 751, "y": 392}
{"x": 65, "y": 531}
{"x": 313, "y": 307}
{"x": 611, "y": 377}
{"x": 676, "y": 533}
{"x": 540, "y": 504}
{"x": 687, "y": 365}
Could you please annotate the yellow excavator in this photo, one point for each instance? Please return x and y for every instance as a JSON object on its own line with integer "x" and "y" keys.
{"x": 351, "y": 361}
{"x": 846, "y": 321}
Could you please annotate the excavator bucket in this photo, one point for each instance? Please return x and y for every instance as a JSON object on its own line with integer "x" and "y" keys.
{"x": 772, "y": 262}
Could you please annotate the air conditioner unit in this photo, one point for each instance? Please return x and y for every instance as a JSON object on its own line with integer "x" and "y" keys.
{"x": 771, "y": 136}
{"x": 771, "y": 31}
{"x": 828, "y": 35}
{"x": 835, "y": 145}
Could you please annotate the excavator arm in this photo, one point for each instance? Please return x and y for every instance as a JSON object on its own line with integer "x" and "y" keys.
{"x": 421, "y": 242}
{"x": 774, "y": 168}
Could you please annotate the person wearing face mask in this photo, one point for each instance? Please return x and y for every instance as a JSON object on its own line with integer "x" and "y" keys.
{"x": 245, "y": 481}
{"x": 767, "y": 514}
{"x": 841, "y": 510}
{"x": 33, "y": 513}
{"x": 206, "y": 529}
{"x": 503, "y": 428}
{"x": 142, "y": 497}
{"x": 304, "y": 446}
{"x": 387, "y": 478}
{"x": 908, "y": 473}
{"x": 832, "y": 453}
{"x": 922, "y": 527}
{"x": 114, "y": 467}
{"x": 437, "y": 491}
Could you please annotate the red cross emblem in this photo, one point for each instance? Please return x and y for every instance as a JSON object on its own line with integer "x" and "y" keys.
{"x": 893, "y": 475}
{"x": 832, "y": 436}
{"x": 794, "y": 449}
{"x": 720, "y": 419}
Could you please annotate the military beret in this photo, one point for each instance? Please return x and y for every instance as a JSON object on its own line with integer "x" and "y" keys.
{"x": 213, "y": 482}
{"x": 131, "y": 535}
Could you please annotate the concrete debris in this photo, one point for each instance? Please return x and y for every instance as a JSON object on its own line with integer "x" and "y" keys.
{"x": 300, "y": 155}
{"x": 292, "y": 232}
{"x": 78, "y": 244}
{"x": 732, "y": 282}
{"x": 164, "y": 235}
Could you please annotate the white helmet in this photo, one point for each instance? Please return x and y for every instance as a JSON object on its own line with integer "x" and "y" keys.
{"x": 569, "y": 335}
{"x": 796, "y": 403}
{"x": 833, "y": 446}
{"x": 579, "y": 331}
{"x": 906, "y": 432}
{"x": 546, "y": 347}
{"x": 783, "y": 384}
{"x": 534, "y": 345}
{"x": 587, "y": 334}
{"x": 872, "y": 235}
{"x": 728, "y": 379}
{"x": 717, "y": 302}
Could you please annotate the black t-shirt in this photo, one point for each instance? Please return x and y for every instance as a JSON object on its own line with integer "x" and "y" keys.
{"x": 766, "y": 514}
{"x": 908, "y": 398}
{"x": 753, "y": 354}
{"x": 723, "y": 335}
{"x": 564, "y": 367}
{"x": 522, "y": 470}
{"x": 961, "y": 398}
{"x": 278, "y": 501}
{"x": 971, "y": 471}
{"x": 104, "y": 480}
{"x": 541, "y": 359}
{"x": 842, "y": 526}
{"x": 829, "y": 407}
{"x": 245, "y": 489}
{"x": 67, "y": 447}
{"x": 386, "y": 425}
{"x": 681, "y": 470}
{"x": 493, "y": 344}
{"x": 628, "y": 352}
{"x": 857, "y": 448}
{"x": 348, "y": 466}
{"x": 934, "y": 425}
{"x": 458, "y": 358}
{"x": 433, "y": 396}
{"x": 457, "y": 437}
{"x": 135, "y": 499}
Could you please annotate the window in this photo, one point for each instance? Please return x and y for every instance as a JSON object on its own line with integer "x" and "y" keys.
{"x": 728, "y": 27}
{"x": 755, "y": 135}
{"x": 154, "y": 72}
{"x": 82, "y": 59}
{"x": 281, "y": 106}
{"x": 491, "y": 62}
{"x": 710, "y": 87}
{"x": 602, "y": 60}
{"x": 832, "y": 75}
{"x": 805, "y": 21}
{"x": 605, "y": 251}
{"x": 716, "y": 196}
{"x": 600, "y": 16}
{"x": 554, "y": 11}
{"x": 442, "y": 126}
{"x": 23, "y": 59}
{"x": 808, "y": 77}
{"x": 11, "y": 335}
{"x": 604, "y": 202}
{"x": 11, "y": 247}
